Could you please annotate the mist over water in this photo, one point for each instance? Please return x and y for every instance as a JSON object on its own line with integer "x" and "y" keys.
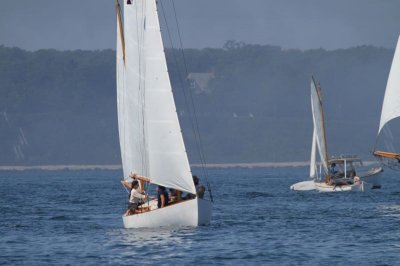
{"x": 73, "y": 217}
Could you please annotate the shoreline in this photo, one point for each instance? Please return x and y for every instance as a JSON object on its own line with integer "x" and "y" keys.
{"x": 119, "y": 167}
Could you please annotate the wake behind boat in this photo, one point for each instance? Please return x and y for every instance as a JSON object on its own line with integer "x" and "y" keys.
{"x": 335, "y": 174}
{"x": 150, "y": 136}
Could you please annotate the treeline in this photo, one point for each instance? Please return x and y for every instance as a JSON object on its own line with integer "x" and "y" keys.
{"x": 60, "y": 107}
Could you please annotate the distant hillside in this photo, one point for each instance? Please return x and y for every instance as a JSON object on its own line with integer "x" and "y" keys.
{"x": 253, "y": 104}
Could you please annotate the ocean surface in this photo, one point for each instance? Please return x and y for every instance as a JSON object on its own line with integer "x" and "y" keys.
{"x": 74, "y": 218}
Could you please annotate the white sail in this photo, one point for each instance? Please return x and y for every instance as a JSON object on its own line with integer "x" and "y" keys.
{"x": 313, "y": 160}
{"x": 391, "y": 102}
{"x": 121, "y": 88}
{"x": 129, "y": 90}
{"x": 318, "y": 119}
{"x": 150, "y": 135}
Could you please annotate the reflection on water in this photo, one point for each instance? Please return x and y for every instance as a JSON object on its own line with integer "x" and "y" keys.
{"x": 157, "y": 237}
{"x": 150, "y": 241}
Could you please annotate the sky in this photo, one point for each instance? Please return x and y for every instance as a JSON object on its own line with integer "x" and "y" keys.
{"x": 291, "y": 24}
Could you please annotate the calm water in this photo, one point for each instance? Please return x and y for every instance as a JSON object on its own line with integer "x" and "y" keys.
{"x": 74, "y": 218}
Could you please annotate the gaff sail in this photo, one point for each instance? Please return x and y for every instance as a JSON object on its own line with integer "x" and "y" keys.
{"x": 391, "y": 101}
{"x": 391, "y": 107}
{"x": 319, "y": 127}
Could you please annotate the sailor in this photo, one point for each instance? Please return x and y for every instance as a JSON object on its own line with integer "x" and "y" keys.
{"x": 200, "y": 189}
{"x": 175, "y": 195}
{"x": 162, "y": 197}
{"x": 136, "y": 198}
{"x": 333, "y": 170}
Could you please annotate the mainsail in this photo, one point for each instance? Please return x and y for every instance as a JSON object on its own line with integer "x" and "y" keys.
{"x": 319, "y": 127}
{"x": 391, "y": 102}
{"x": 150, "y": 135}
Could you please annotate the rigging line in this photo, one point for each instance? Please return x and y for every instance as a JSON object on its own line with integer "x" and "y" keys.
{"x": 125, "y": 200}
{"x": 204, "y": 164}
{"x": 194, "y": 121}
{"x": 146, "y": 154}
{"x": 186, "y": 70}
{"x": 190, "y": 93}
{"x": 177, "y": 65}
{"x": 181, "y": 81}
{"x": 195, "y": 132}
{"x": 376, "y": 141}
{"x": 140, "y": 114}
{"x": 146, "y": 162}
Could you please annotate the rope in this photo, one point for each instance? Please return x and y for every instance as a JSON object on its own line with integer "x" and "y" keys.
{"x": 204, "y": 164}
{"x": 194, "y": 122}
{"x": 125, "y": 200}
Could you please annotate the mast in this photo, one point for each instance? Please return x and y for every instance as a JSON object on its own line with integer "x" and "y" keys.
{"x": 121, "y": 29}
{"x": 318, "y": 89}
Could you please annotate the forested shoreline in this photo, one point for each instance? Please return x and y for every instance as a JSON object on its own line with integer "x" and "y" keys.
{"x": 59, "y": 107}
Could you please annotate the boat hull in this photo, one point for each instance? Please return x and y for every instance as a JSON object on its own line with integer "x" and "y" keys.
{"x": 188, "y": 213}
{"x": 323, "y": 187}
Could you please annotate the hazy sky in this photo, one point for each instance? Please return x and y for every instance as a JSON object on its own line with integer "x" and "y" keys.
{"x": 304, "y": 24}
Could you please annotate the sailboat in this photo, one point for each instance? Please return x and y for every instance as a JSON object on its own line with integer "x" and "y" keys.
{"x": 150, "y": 135}
{"x": 337, "y": 173}
{"x": 391, "y": 110}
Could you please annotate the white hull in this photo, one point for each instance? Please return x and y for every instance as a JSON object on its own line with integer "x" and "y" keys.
{"x": 370, "y": 180}
{"x": 188, "y": 213}
{"x": 323, "y": 187}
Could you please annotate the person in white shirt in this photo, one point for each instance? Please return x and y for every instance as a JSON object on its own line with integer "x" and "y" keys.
{"x": 136, "y": 198}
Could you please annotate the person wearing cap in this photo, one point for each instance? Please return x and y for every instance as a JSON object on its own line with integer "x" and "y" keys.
{"x": 136, "y": 198}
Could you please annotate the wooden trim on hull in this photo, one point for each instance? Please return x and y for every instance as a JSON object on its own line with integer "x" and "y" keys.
{"x": 390, "y": 155}
{"x": 187, "y": 213}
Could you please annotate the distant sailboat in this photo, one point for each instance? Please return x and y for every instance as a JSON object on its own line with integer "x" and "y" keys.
{"x": 327, "y": 179}
{"x": 150, "y": 136}
{"x": 391, "y": 110}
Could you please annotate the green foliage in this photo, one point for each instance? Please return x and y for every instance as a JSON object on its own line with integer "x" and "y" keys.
{"x": 257, "y": 108}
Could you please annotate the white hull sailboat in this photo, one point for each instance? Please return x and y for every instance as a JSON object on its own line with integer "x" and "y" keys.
{"x": 324, "y": 180}
{"x": 150, "y": 135}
